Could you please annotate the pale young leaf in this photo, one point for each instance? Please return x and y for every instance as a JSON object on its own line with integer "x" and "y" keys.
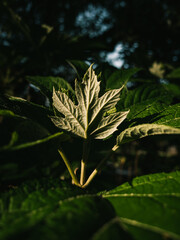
{"x": 87, "y": 119}
{"x": 73, "y": 120}
{"x": 109, "y": 124}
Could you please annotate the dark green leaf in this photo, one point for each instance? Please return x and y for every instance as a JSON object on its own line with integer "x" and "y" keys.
{"x": 10, "y": 114}
{"x": 173, "y": 89}
{"x": 149, "y": 206}
{"x": 145, "y": 104}
{"x": 120, "y": 77}
{"x": 174, "y": 74}
{"x": 59, "y": 137}
{"x": 79, "y": 67}
{"x": 24, "y": 108}
{"x": 46, "y": 84}
{"x": 113, "y": 229}
{"x": 51, "y": 211}
{"x": 170, "y": 116}
{"x": 144, "y": 93}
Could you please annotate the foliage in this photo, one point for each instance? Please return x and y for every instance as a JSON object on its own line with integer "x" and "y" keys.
{"x": 49, "y": 207}
{"x": 87, "y": 119}
{"x": 46, "y": 210}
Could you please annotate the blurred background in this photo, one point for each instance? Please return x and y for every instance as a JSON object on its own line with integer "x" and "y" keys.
{"x": 38, "y": 37}
{"x": 41, "y": 38}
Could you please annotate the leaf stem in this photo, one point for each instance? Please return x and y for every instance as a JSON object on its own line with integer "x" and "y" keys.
{"x": 96, "y": 170}
{"x": 69, "y": 167}
{"x": 86, "y": 149}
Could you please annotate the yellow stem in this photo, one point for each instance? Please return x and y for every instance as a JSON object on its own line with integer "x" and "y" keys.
{"x": 68, "y": 165}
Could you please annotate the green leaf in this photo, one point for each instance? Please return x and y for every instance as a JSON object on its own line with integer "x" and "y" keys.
{"x": 59, "y": 137}
{"x": 8, "y": 113}
{"x": 79, "y": 67}
{"x": 173, "y": 89}
{"x": 46, "y": 84}
{"x": 149, "y": 207}
{"x": 22, "y": 108}
{"x": 174, "y": 74}
{"x": 26, "y": 132}
{"x": 87, "y": 118}
{"x": 51, "y": 210}
{"x": 143, "y": 94}
{"x": 146, "y": 103}
{"x": 120, "y": 77}
{"x": 113, "y": 229}
{"x": 170, "y": 116}
{"x": 144, "y": 130}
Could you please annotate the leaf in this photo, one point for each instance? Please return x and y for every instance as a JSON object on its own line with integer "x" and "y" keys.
{"x": 8, "y": 113}
{"x": 51, "y": 210}
{"x": 60, "y": 136}
{"x": 175, "y": 74}
{"x": 144, "y": 130}
{"x": 170, "y": 116}
{"x": 79, "y": 67}
{"x": 149, "y": 207}
{"x": 46, "y": 84}
{"x": 113, "y": 229}
{"x": 109, "y": 124}
{"x": 120, "y": 77}
{"x": 72, "y": 121}
{"x": 87, "y": 118}
{"x": 26, "y": 133}
{"x": 173, "y": 89}
{"x": 143, "y": 94}
{"x": 25, "y": 109}
{"x": 146, "y": 103}
{"x": 153, "y": 111}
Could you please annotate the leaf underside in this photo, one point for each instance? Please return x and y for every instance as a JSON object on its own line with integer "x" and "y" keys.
{"x": 144, "y": 130}
{"x": 87, "y": 119}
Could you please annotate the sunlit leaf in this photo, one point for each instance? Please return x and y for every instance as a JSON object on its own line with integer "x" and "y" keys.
{"x": 109, "y": 124}
{"x": 144, "y": 130}
{"x": 87, "y": 119}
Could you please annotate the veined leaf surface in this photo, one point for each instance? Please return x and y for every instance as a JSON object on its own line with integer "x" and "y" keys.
{"x": 87, "y": 118}
{"x": 148, "y": 208}
{"x": 144, "y": 130}
{"x": 109, "y": 124}
{"x": 46, "y": 84}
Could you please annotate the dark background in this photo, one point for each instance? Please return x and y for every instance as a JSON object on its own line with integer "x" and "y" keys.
{"x": 37, "y": 37}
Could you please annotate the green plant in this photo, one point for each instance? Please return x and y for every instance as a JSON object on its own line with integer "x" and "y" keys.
{"x": 93, "y": 118}
{"x": 46, "y": 207}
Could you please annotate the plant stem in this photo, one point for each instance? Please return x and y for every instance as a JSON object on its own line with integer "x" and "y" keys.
{"x": 86, "y": 149}
{"x": 69, "y": 167}
{"x": 96, "y": 170}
